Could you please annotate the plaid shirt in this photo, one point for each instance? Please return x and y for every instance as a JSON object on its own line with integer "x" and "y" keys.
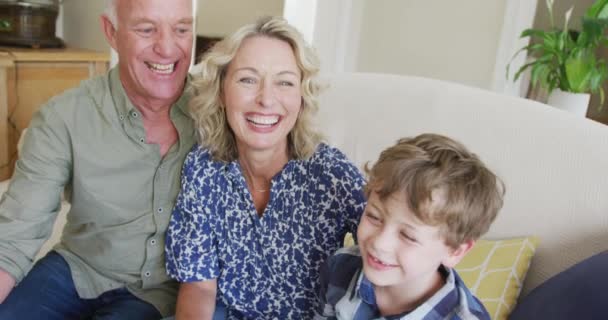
{"x": 347, "y": 294}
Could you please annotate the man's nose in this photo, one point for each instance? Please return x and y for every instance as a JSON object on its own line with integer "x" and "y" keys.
{"x": 165, "y": 44}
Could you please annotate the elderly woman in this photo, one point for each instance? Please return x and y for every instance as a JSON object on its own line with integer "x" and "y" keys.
{"x": 263, "y": 202}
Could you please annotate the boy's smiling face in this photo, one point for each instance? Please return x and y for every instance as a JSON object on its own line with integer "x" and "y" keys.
{"x": 398, "y": 250}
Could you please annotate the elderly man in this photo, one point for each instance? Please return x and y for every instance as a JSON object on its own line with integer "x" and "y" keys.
{"x": 117, "y": 143}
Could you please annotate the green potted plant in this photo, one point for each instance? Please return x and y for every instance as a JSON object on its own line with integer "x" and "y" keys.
{"x": 566, "y": 61}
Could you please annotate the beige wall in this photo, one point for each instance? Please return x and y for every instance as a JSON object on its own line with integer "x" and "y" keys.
{"x": 448, "y": 40}
{"x": 222, "y": 17}
{"x": 215, "y": 18}
{"x": 81, "y": 24}
{"x": 560, "y": 7}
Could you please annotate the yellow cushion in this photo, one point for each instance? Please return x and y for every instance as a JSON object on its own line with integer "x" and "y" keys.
{"x": 348, "y": 240}
{"x": 494, "y": 270}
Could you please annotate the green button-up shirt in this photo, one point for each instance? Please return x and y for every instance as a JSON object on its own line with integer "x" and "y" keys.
{"x": 91, "y": 140}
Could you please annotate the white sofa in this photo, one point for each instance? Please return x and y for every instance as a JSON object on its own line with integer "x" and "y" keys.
{"x": 552, "y": 162}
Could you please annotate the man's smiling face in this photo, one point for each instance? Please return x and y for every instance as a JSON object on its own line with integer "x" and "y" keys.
{"x": 153, "y": 39}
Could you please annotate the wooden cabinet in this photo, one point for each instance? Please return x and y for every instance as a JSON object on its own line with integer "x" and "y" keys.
{"x": 30, "y": 77}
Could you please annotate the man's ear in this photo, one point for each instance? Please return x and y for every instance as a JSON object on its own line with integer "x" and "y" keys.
{"x": 109, "y": 30}
{"x": 457, "y": 254}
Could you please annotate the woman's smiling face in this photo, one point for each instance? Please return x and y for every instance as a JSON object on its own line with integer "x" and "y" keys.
{"x": 262, "y": 94}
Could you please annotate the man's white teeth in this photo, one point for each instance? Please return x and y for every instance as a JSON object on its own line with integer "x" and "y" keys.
{"x": 263, "y": 120}
{"x": 161, "y": 68}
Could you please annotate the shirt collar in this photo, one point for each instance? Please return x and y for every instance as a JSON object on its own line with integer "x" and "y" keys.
{"x": 365, "y": 290}
{"x": 124, "y": 105}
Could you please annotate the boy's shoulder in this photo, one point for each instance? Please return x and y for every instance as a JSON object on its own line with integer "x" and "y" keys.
{"x": 464, "y": 305}
{"x": 343, "y": 265}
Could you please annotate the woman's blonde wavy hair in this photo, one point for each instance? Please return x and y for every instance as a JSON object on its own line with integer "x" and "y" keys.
{"x": 207, "y": 108}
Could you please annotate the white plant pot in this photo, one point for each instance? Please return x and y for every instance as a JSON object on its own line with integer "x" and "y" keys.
{"x": 576, "y": 103}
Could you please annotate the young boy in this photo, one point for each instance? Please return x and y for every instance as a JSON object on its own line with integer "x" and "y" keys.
{"x": 429, "y": 200}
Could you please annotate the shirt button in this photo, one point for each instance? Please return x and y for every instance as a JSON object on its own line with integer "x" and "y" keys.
{"x": 153, "y": 242}
{"x": 121, "y": 117}
{"x": 141, "y": 140}
{"x": 147, "y": 274}
{"x": 134, "y": 114}
{"x": 160, "y": 210}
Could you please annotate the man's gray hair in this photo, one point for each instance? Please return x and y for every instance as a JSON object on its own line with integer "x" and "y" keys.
{"x": 110, "y": 12}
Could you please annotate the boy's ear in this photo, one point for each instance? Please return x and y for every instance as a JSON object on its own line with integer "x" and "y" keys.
{"x": 457, "y": 254}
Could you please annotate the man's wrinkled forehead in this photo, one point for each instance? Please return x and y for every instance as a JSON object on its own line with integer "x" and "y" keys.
{"x": 176, "y": 11}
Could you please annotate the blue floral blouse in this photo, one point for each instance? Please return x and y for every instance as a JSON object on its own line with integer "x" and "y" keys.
{"x": 266, "y": 267}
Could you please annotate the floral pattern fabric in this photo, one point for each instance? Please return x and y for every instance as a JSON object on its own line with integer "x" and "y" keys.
{"x": 267, "y": 267}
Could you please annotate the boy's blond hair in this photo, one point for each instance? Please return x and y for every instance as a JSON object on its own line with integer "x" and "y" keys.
{"x": 445, "y": 185}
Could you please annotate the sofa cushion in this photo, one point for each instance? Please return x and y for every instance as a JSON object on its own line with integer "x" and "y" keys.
{"x": 494, "y": 270}
{"x": 579, "y": 292}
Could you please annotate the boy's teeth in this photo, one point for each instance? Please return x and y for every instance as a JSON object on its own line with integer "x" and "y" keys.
{"x": 263, "y": 120}
{"x": 381, "y": 262}
{"x": 161, "y": 68}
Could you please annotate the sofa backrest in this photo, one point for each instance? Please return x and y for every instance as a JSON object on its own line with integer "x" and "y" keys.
{"x": 551, "y": 162}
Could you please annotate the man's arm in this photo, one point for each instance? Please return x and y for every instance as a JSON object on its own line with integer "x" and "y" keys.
{"x": 7, "y": 283}
{"x": 196, "y": 300}
{"x": 30, "y": 205}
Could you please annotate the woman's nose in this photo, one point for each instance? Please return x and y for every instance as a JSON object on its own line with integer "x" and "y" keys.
{"x": 266, "y": 94}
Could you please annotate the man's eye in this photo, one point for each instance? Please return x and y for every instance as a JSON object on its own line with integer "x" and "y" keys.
{"x": 145, "y": 31}
{"x": 183, "y": 30}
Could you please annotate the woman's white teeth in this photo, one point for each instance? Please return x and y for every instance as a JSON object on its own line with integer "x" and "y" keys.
{"x": 263, "y": 120}
{"x": 161, "y": 68}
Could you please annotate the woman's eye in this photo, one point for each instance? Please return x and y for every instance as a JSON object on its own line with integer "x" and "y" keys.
{"x": 247, "y": 80}
{"x": 286, "y": 83}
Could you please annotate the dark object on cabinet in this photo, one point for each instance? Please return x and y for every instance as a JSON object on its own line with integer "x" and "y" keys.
{"x": 29, "y": 23}
{"x": 203, "y": 44}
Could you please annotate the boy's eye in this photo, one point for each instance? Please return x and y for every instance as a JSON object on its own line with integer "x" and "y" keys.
{"x": 373, "y": 218}
{"x": 406, "y": 236}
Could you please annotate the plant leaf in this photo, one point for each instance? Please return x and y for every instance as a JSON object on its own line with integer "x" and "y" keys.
{"x": 599, "y": 9}
{"x": 579, "y": 69}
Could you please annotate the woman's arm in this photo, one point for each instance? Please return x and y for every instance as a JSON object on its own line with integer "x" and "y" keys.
{"x": 196, "y": 300}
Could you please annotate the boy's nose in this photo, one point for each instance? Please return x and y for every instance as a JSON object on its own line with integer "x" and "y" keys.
{"x": 383, "y": 241}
